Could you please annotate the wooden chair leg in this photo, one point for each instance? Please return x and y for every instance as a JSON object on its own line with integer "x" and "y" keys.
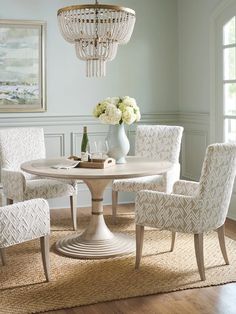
{"x": 198, "y": 243}
{"x": 221, "y": 237}
{"x": 173, "y": 237}
{"x": 44, "y": 243}
{"x": 139, "y": 244}
{"x": 114, "y": 205}
{"x": 73, "y": 206}
{"x": 3, "y": 256}
{"x": 9, "y": 201}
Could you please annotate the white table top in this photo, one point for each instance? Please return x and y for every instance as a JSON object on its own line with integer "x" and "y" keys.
{"x": 135, "y": 167}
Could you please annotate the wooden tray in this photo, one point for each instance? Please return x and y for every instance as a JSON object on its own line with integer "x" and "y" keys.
{"x": 98, "y": 163}
{"x": 95, "y": 163}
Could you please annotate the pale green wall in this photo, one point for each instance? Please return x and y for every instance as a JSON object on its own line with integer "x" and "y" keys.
{"x": 145, "y": 68}
{"x": 194, "y": 18}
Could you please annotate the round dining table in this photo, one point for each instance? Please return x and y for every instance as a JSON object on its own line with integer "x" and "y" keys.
{"x": 97, "y": 240}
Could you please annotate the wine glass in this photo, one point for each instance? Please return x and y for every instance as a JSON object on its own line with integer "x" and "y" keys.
{"x": 94, "y": 150}
{"x": 103, "y": 149}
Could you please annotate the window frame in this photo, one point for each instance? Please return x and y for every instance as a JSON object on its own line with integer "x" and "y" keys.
{"x": 217, "y": 115}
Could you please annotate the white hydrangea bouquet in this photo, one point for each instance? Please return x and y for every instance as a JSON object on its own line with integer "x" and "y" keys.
{"x": 117, "y": 110}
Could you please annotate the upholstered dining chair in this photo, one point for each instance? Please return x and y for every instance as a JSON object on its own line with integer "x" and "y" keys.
{"x": 18, "y": 145}
{"x": 193, "y": 207}
{"x": 158, "y": 142}
{"x": 25, "y": 221}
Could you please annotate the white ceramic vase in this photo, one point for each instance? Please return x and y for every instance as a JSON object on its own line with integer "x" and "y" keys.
{"x": 118, "y": 143}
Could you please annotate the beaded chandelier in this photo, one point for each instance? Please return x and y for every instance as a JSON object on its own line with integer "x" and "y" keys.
{"x": 96, "y": 30}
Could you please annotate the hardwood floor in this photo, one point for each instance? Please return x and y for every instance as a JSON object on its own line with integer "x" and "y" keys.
{"x": 210, "y": 300}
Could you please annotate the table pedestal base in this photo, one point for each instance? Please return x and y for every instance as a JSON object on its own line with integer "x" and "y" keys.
{"x": 76, "y": 246}
{"x": 97, "y": 241}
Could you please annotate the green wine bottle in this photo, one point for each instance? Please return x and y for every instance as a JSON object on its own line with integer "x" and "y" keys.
{"x": 85, "y": 145}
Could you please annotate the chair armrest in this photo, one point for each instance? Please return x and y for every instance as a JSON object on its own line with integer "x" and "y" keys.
{"x": 187, "y": 188}
{"x": 24, "y": 221}
{"x": 168, "y": 211}
{"x": 14, "y": 184}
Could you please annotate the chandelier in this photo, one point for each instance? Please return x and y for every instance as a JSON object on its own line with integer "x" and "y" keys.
{"x": 96, "y": 30}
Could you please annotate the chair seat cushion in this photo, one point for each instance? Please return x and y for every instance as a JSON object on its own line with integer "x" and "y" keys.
{"x": 47, "y": 188}
{"x": 154, "y": 183}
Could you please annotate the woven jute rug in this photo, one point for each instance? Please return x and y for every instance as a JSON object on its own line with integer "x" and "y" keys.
{"x": 78, "y": 282}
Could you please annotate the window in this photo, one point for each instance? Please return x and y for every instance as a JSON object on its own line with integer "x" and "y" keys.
{"x": 223, "y": 78}
{"x": 229, "y": 80}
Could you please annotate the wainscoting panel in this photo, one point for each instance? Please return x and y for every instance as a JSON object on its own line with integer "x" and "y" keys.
{"x": 76, "y": 139}
{"x": 232, "y": 207}
{"x": 63, "y": 137}
{"x": 131, "y": 136}
{"x": 194, "y": 143}
{"x": 55, "y": 144}
{"x": 193, "y": 151}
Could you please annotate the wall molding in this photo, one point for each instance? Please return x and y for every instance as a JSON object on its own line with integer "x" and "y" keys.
{"x": 157, "y": 117}
{"x": 46, "y": 120}
{"x": 194, "y": 118}
{"x": 232, "y": 212}
{"x": 65, "y": 133}
{"x": 28, "y": 121}
{"x": 61, "y": 137}
{"x": 192, "y": 160}
{"x": 76, "y": 138}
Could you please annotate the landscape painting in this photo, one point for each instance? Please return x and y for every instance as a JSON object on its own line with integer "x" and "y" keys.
{"x": 22, "y": 73}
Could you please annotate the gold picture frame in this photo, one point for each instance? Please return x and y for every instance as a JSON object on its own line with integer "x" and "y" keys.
{"x": 22, "y": 66}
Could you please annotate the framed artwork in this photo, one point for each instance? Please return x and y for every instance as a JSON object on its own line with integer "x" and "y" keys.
{"x": 22, "y": 66}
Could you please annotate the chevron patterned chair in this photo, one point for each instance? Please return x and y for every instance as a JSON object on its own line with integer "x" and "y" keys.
{"x": 160, "y": 142}
{"x": 18, "y": 145}
{"x": 193, "y": 207}
{"x": 25, "y": 221}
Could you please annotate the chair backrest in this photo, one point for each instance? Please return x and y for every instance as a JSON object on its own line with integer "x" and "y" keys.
{"x": 18, "y": 145}
{"x": 161, "y": 142}
{"x": 216, "y": 182}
